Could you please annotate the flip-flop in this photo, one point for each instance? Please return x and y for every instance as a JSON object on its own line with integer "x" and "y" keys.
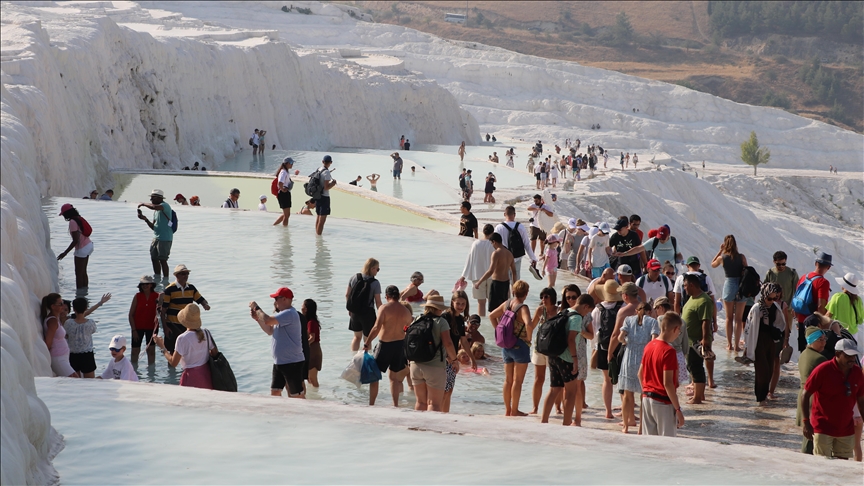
{"x": 786, "y": 355}
{"x": 743, "y": 360}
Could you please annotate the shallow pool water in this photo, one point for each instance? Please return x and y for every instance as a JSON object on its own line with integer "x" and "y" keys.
{"x": 236, "y": 257}
{"x": 213, "y": 190}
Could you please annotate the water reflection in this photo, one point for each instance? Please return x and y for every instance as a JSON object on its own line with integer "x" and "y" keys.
{"x": 397, "y": 189}
{"x": 282, "y": 257}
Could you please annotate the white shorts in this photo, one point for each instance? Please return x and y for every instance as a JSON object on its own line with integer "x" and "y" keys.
{"x": 84, "y": 251}
{"x": 60, "y": 366}
{"x": 483, "y": 292}
{"x": 538, "y": 359}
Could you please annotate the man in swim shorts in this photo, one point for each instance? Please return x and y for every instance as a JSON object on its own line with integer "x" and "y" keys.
{"x": 397, "y": 166}
{"x": 389, "y": 327}
{"x": 501, "y": 268}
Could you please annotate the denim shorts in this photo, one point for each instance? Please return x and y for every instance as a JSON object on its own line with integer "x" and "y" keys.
{"x": 521, "y": 353}
{"x": 730, "y": 288}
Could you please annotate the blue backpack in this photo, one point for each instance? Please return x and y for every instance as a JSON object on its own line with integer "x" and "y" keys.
{"x": 803, "y": 302}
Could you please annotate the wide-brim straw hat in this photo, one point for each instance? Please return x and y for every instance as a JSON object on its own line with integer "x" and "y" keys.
{"x": 435, "y": 301}
{"x": 190, "y": 316}
{"x": 609, "y": 291}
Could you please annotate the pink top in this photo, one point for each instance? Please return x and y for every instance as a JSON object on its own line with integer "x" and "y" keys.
{"x": 551, "y": 259}
{"x": 59, "y": 346}
{"x": 82, "y": 240}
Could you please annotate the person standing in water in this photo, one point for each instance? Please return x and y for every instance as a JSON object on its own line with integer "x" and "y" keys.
{"x": 163, "y": 231}
{"x": 462, "y": 152}
{"x": 285, "y": 184}
{"x": 393, "y": 319}
{"x": 322, "y": 204}
{"x": 80, "y": 243}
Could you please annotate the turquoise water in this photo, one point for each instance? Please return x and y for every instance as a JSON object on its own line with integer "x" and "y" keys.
{"x": 236, "y": 257}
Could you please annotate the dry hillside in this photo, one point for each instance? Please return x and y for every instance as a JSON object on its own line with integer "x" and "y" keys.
{"x": 670, "y": 41}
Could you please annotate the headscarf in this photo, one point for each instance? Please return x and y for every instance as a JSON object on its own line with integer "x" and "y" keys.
{"x": 768, "y": 288}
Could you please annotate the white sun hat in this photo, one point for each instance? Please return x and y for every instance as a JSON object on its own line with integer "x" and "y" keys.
{"x": 850, "y": 282}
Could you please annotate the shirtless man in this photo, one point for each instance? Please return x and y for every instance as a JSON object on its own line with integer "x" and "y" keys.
{"x": 502, "y": 266}
{"x": 389, "y": 327}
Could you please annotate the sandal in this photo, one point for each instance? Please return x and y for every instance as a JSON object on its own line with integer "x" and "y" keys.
{"x": 744, "y": 360}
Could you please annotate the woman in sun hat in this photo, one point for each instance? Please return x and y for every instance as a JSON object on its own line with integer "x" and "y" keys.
{"x": 192, "y": 349}
{"x": 847, "y": 308}
{"x": 80, "y": 243}
{"x": 430, "y": 378}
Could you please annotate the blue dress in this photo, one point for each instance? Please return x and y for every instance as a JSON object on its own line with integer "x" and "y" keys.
{"x": 637, "y": 337}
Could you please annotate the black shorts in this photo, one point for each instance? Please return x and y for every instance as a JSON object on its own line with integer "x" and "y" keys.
{"x": 172, "y": 332}
{"x": 499, "y": 292}
{"x": 362, "y": 322}
{"x": 83, "y": 362}
{"x": 290, "y": 374}
{"x": 560, "y": 372}
{"x": 537, "y": 175}
{"x": 322, "y": 206}
{"x": 284, "y": 198}
{"x": 390, "y": 355}
{"x": 603, "y": 358}
{"x": 144, "y": 335}
{"x": 696, "y": 366}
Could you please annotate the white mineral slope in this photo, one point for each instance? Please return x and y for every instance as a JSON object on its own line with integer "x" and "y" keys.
{"x": 96, "y": 95}
{"x": 528, "y": 97}
{"x": 27, "y": 272}
{"x": 81, "y": 95}
{"x": 313, "y": 436}
{"x": 700, "y": 216}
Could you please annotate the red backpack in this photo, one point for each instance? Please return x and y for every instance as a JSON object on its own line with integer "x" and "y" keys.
{"x": 274, "y": 187}
{"x": 85, "y": 227}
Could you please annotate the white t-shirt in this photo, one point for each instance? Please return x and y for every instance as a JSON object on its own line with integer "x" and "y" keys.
{"x": 120, "y": 370}
{"x": 192, "y": 353}
{"x": 535, "y": 213}
{"x": 284, "y": 178}
{"x": 536, "y": 167}
{"x": 679, "y": 284}
{"x": 553, "y": 172}
{"x": 262, "y": 207}
{"x": 655, "y": 290}
{"x": 230, "y": 204}
{"x": 325, "y": 177}
{"x": 598, "y": 243}
{"x": 255, "y": 139}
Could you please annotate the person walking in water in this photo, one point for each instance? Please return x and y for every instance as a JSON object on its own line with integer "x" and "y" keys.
{"x": 475, "y": 266}
{"x": 462, "y": 152}
{"x": 284, "y": 186}
{"x": 163, "y": 231}
{"x": 733, "y": 267}
{"x": 516, "y": 359}
{"x": 322, "y": 204}
{"x": 285, "y": 330}
{"x": 393, "y": 319}
{"x": 363, "y": 297}
{"x": 80, "y": 233}
{"x": 502, "y": 269}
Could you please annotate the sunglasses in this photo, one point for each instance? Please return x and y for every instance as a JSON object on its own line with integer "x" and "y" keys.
{"x": 670, "y": 274}
{"x": 114, "y": 350}
{"x": 780, "y": 264}
{"x": 571, "y": 297}
{"x": 182, "y": 273}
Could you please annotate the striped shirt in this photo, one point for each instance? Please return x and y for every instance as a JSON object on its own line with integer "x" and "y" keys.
{"x": 175, "y": 298}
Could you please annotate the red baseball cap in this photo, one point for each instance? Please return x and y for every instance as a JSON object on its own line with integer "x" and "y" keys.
{"x": 653, "y": 264}
{"x": 283, "y": 292}
{"x": 663, "y": 232}
{"x": 65, "y": 207}
{"x": 178, "y": 197}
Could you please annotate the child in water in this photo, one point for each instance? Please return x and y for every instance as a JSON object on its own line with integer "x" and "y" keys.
{"x": 465, "y": 361}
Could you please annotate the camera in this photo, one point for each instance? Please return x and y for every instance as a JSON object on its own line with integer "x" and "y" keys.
{"x": 530, "y": 220}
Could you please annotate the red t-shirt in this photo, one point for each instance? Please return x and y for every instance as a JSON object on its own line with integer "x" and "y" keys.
{"x": 658, "y": 357}
{"x": 641, "y": 234}
{"x": 821, "y": 287}
{"x": 314, "y": 329}
{"x": 831, "y": 413}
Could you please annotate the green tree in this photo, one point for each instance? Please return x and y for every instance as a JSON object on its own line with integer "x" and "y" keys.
{"x": 753, "y": 154}
{"x": 623, "y": 30}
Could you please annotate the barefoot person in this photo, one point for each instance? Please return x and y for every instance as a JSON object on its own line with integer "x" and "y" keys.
{"x": 766, "y": 326}
{"x": 502, "y": 268}
{"x": 80, "y": 243}
{"x": 430, "y": 377}
{"x": 475, "y": 266}
{"x": 322, "y": 204}
{"x": 163, "y": 232}
{"x": 53, "y": 313}
{"x": 192, "y": 350}
{"x": 516, "y": 359}
{"x": 547, "y": 309}
{"x": 661, "y": 410}
{"x": 733, "y": 267}
{"x": 285, "y": 330}
{"x": 363, "y": 296}
{"x": 143, "y": 320}
{"x": 697, "y": 315}
{"x": 283, "y": 178}
{"x": 636, "y": 332}
{"x": 630, "y": 293}
{"x": 389, "y": 328}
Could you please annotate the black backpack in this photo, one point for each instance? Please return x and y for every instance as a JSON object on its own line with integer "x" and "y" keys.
{"x": 462, "y": 182}
{"x": 420, "y": 344}
{"x": 314, "y": 188}
{"x": 514, "y": 241}
{"x": 750, "y": 284}
{"x": 360, "y": 296}
{"x": 703, "y": 284}
{"x": 552, "y": 335}
{"x": 607, "y": 323}
{"x": 650, "y": 253}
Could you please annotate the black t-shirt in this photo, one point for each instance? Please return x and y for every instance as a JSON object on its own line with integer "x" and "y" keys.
{"x": 467, "y": 225}
{"x": 457, "y": 328}
{"x": 625, "y": 243}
